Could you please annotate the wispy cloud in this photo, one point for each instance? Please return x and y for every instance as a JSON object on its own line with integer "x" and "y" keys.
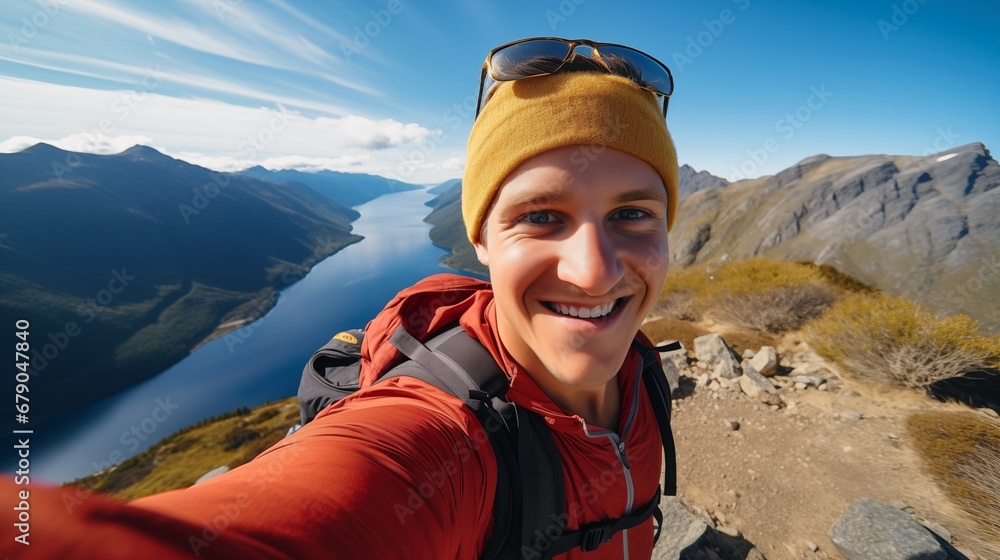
{"x": 239, "y": 33}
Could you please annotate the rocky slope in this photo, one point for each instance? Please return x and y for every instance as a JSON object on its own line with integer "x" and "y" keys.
{"x": 768, "y": 465}
{"x": 923, "y": 227}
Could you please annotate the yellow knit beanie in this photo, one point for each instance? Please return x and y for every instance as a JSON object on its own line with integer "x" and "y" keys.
{"x": 527, "y": 117}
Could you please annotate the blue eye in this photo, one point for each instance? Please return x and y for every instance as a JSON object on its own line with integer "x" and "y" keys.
{"x": 629, "y": 214}
{"x": 539, "y": 217}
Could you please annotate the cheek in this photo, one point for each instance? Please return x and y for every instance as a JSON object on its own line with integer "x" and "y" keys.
{"x": 514, "y": 268}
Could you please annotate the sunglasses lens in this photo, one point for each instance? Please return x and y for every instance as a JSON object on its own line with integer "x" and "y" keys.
{"x": 530, "y": 58}
{"x": 653, "y": 74}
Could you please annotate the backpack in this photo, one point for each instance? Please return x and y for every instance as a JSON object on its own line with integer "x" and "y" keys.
{"x": 530, "y": 493}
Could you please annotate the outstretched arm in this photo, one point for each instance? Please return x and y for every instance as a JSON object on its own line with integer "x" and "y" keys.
{"x": 409, "y": 473}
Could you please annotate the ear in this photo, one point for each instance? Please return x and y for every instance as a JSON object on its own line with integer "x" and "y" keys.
{"x": 482, "y": 254}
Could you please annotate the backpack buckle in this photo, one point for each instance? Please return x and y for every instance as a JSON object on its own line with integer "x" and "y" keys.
{"x": 595, "y": 537}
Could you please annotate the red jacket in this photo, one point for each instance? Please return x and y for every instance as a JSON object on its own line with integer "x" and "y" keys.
{"x": 398, "y": 470}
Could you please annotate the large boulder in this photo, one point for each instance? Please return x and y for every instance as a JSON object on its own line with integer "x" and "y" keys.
{"x": 717, "y": 356}
{"x": 871, "y": 529}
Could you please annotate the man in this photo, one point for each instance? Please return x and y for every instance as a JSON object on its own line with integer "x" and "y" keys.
{"x": 569, "y": 191}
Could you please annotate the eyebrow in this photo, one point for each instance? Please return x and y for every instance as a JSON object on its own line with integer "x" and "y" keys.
{"x": 647, "y": 193}
{"x": 555, "y": 196}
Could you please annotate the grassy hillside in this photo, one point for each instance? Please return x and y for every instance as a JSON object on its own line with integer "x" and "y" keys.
{"x": 181, "y": 458}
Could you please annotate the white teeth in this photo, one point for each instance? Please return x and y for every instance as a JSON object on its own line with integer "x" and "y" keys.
{"x": 584, "y": 312}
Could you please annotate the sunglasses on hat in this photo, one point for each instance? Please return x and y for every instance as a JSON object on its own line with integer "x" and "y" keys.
{"x": 541, "y": 56}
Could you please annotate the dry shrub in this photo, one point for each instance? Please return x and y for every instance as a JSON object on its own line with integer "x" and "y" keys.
{"x": 761, "y": 294}
{"x": 892, "y": 340}
{"x": 840, "y": 280}
{"x": 745, "y": 339}
{"x": 777, "y": 310}
{"x": 962, "y": 451}
{"x": 676, "y": 305}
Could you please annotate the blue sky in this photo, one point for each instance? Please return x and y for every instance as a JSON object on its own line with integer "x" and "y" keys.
{"x": 387, "y": 86}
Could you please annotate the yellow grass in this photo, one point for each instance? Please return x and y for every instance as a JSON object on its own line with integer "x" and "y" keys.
{"x": 181, "y": 458}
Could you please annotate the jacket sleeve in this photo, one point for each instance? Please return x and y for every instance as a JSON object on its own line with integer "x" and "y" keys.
{"x": 408, "y": 474}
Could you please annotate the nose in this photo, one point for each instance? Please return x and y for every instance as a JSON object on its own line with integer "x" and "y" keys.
{"x": 590, "y": 260}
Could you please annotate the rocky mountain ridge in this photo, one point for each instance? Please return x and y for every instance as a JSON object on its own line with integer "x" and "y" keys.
{"x": 922, "y": 227}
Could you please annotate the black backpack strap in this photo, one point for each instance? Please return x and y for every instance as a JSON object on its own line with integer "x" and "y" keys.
{"x": 589, "y": 537}
{"x": 659, "y": 394}
{"x": 457, "y": 364}
{"x": 543, "y": 486}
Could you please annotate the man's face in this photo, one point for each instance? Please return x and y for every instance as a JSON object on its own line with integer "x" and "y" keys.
{"x": 576, "y": 243}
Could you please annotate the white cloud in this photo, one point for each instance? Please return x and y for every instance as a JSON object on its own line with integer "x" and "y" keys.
{"x": 219, "y": 135}
{"x": 79, "y": 142}
{"x": 374, "y": 135}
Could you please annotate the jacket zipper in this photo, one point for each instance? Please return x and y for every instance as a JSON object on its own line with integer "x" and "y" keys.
{"x": 618, "y": 443}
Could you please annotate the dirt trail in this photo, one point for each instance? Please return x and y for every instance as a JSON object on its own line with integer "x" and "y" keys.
{"x": 785, "y": 476}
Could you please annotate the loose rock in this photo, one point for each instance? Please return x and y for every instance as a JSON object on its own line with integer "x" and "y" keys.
{"x": 765, "y": 361}
{"x": 808, "y": 380}
{"x": 753, "y": 384}
{"x": 872, "y": 529}
{"x": 718, "y": 357}
{"x": 727, "y": 368}
{"x": 672, "y": 374}
{"x": 678, "y": 357}
{"x": 212, "y": 474}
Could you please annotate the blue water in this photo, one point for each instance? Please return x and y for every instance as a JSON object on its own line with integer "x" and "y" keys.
{"x": 255, "y": 364}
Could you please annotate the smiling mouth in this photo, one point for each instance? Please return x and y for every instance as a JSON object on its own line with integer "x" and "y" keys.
{"x": 596, "y": 312}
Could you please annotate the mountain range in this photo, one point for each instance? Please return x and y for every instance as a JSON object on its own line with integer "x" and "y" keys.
{"x": 123, "y": 263}
{"x": 924, "y": 227}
